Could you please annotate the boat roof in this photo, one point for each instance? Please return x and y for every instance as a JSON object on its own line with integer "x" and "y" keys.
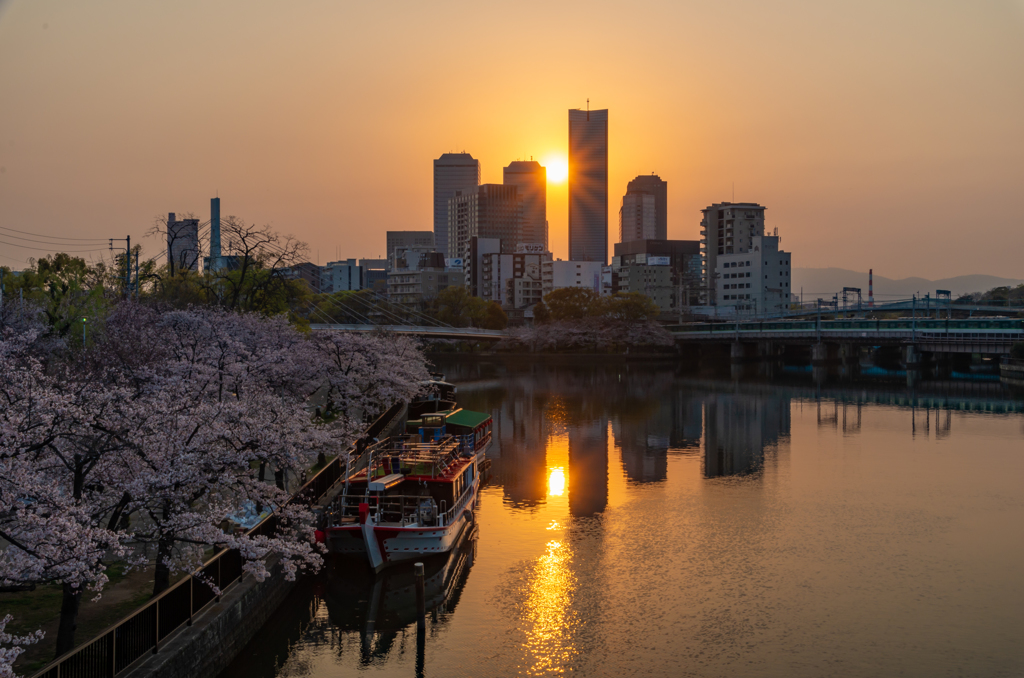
{"x": 467, "y": 418}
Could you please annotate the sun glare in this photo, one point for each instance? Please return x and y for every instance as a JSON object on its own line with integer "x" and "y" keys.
{"x": 558, "y": 169}
{"x": 556, "y": 482}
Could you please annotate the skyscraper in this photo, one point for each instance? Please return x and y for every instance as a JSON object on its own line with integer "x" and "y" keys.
{"x": 452, "y": 172}
{"x": 651, "y": 184}
{"x": 588, "y": 185}
{"x": 531, "y": 180}
{"x": 637, "y": 217}
{"x": 487, "y": 211}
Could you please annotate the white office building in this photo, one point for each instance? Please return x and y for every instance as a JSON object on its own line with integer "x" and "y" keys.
{"x": 755, "y": 282}
{"x": 556, "y": 275}
{"x": 342, "y": 276}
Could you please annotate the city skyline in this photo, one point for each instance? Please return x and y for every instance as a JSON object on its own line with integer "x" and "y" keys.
{"x": 872, "y": 134}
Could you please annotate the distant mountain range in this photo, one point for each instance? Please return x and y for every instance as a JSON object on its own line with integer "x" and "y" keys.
{"x": 824, "y": 282}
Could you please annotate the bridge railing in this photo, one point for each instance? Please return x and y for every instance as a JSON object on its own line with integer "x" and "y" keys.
{"x": 122, "y": 645}
{"x": 967, "y": 327}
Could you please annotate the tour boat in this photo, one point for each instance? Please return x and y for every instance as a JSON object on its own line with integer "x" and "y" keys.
{"x": 414, "y": 493}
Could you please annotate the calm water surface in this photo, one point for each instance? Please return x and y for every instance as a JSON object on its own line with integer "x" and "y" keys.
{"x": 641, "y": 522}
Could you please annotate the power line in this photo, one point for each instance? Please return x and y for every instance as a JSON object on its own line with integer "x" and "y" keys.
{"x": 51, "y": 249}
{"x": 52, "y": 244}
{"x": 53, "y": 237}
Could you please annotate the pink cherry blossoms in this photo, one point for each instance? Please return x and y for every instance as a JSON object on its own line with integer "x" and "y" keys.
{"x": 139, "y": 447}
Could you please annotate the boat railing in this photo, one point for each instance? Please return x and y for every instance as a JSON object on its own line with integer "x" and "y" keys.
{"x": 448, "y": 516}
{"x": 401, "y": 454}
{"x": 402, "y": 510}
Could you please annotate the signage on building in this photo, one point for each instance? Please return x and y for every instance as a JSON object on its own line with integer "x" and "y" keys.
{"x": 531, "y": 248}
{"x": 659, "y": 261}
{"x": 455, "y": 263}
{"x": 640, "y": 259}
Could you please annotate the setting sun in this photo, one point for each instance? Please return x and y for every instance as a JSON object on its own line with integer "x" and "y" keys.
{"x": 558, "y": 169}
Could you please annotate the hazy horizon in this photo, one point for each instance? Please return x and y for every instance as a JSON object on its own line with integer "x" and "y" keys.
{"x": 879, "y": 135}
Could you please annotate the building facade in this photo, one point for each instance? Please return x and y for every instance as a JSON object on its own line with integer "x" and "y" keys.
{"x": 756, "y": 282}
{"x": 183, "y": 243}
{"x": 637, "y": 217}
{"x": 410, "y": 239}
{"x": 417, "y": 275}
{"x": 452, "y": 172}
{"x": 513, "y": 280}
{"x": 668, "y": 271}
{"x": 487, "y": 211}
{"x": 307, "y": 272}
{"x": 559, "y": 274}
{"x": 653, "y": 185}
{"x": 342, "y": 276}
{"x": 727, "y": 228}
{"x": 588, "y": 185}
{"x": 531, "y": 181}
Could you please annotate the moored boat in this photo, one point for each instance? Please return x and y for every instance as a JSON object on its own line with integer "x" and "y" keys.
{"x": 415, "y": 493}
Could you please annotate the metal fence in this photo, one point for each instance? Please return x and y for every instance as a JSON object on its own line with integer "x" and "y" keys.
{"x": 127, "y": 641}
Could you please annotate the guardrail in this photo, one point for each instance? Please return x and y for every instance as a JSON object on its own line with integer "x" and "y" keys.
{"x": 122, "y": 645}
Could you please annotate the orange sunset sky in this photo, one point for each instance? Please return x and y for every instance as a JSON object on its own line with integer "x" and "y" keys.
{"x": 885, "y": 134}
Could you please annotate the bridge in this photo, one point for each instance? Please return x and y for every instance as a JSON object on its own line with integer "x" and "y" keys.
{"x": 993, "y": 336}
{"x": 431, "y": 331}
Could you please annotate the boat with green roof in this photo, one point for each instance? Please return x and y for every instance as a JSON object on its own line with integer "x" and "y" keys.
{"x": 412, "y": 495}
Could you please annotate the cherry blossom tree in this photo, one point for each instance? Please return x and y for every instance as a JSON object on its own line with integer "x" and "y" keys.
{"x": 144, "y": 442}
{"x": 11, "y": 646}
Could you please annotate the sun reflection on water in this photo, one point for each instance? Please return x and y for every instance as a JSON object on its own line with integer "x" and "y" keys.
{"x": 549, "y": 640}
{"x": 556, "y": 482}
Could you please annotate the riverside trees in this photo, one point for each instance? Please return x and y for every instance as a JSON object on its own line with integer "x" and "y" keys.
{"x": 578, "y": 319}
{"x": 139, "y": 446}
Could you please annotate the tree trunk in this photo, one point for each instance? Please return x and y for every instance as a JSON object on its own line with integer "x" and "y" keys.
{"x": 279, "y": 478}
{"x": 162, "y": 572}
{"x": 68, "y": 619}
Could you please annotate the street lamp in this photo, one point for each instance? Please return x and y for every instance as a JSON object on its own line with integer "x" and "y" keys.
{"x": 84, "y": 320}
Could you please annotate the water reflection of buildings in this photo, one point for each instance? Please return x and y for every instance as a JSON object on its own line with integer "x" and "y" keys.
{"x": 588, "y": 468}
{"x": 738, "y": 428}
{"x": 673, "y": 423}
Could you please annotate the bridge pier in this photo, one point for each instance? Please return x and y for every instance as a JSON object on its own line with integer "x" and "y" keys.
{"x": 742, "y": 352}
{"x": 824, "y": 354}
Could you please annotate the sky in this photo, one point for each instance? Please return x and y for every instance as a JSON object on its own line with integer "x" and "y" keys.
{"x": 879, "y": 134}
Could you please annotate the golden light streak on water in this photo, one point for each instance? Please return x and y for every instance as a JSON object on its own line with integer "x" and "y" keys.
{"x": 549, "y": 642}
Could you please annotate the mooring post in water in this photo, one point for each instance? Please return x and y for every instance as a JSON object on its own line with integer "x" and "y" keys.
{"x": 421, "y": 598}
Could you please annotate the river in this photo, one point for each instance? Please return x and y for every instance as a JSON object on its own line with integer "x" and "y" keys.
{"x": 645, "y": 522}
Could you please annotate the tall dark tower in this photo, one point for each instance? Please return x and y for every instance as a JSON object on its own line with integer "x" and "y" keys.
{"x": 652, "y": 184}
{"x": 588, "y": 185}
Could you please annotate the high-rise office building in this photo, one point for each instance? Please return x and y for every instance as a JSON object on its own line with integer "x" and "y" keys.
{"x": 487, "y": 211}
{"x": 531, "y": 180}
{"x": 452, "y": 172}
{"x": 588, "y": 185}
{"x": 652, "y": 185}
{"x": 727, "y": 228}
{"x": 637, "y": 217}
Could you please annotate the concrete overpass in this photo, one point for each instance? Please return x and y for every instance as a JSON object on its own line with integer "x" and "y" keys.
{"x": 464, "y": 333}
{"x": 838, "y": 339}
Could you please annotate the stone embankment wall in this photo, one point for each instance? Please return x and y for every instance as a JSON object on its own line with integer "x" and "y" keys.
{"x": 219, "y": 633}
